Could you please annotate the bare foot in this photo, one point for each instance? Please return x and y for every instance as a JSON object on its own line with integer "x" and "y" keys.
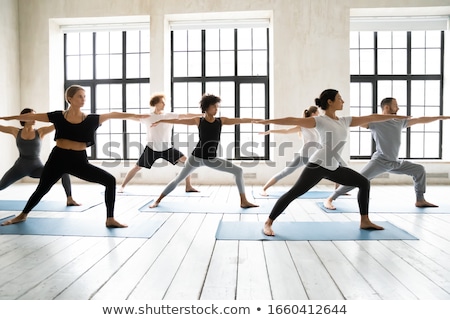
{"x": 425, "y": 204}
{"x": 246, "y": 205}
{"x": 191, "y": 189}
{"x": 121, "y": 189}
{"x": 268, "y": 229}
{"x": 366, "y": 224}
{"x": 17, "y": 219}
{"x": 264, "y": 193}
{"x": 329, "y": 204}
{"x": 113, "y": 223}
{"x": 72, "y": 203}
{"x": 154, "y": 204}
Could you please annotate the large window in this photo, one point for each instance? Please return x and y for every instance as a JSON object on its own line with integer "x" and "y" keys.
{"x": 406, "y": 65}
{"x": 113, "y": 67}
{"x": 232, "y": 63}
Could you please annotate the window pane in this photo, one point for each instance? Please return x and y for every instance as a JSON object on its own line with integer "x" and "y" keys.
{"x": 367, "y": 61}
{"x": 399, "y": 39}
{"x": 244, "y": 63}
{"x": 194, "y": 40}
{"x": 432, "y": 93}
{"x": 366, "y": 39}
{"x": 102, "y": 42}
{"x": 73, "y": 68}
{"x": 418, "y": 61}
{"x": 102, "y": 67}
{"x": 227, "y": 63}
{"x": 133, "y": 41}
{"x": 116, "y": 66}
{"x": 195, "y": 64}
{"x": 384, "y": 39}
{"x": 212, "y": 39}
{"x": 72, "y": 43}
{"x": 145, "y": 65}
{"x": 179, "y": 40}
{"x": 384, "y": 61}
{"x": 259, "y": 63}
{"x": 399, "y": 61}
{"x": 180, "y": 64}
{"x": 354, "y": 62}
{"x": 133, "y": 67}
{"x": 244, "y": 39}
{"x": 260, "y": 38}
{"x": 418, "y": 39}
{"x": 86, "y": 67}
{"x": 116, "y": 41}
{"x": 227, "y": 39}
{"x": 433, "y": 61}
{"x": 86, "y": 43}
{"x": 212, "y": 63}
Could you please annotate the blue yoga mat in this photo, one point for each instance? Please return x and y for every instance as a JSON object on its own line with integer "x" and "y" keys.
{"x": 143, "y": 228}
{"x": 275, "y": 194}
{"x": 351, "y": 206}
{"x": 309, "y": 231}
{"x": 46, "y": 205}
{"x": 177, "y": 193}
{"x": 265, "y": 207}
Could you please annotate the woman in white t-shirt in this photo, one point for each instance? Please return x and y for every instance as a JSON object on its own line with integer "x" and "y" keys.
{"x": 311, "y": 141}
{"x": 159, "y": 142}
{"x": 325, "y": 162}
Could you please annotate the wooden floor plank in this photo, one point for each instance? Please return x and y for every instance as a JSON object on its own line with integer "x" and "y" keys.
{"x": 184, "y": 261}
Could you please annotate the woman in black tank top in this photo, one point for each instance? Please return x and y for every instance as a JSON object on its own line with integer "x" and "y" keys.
{"x": 28, "y": 141}
{"x": 205, "y": 153}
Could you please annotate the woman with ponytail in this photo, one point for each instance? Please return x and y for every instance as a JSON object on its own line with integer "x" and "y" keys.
{"x": 325, "y": 163}
{"x": 311, "y": 141}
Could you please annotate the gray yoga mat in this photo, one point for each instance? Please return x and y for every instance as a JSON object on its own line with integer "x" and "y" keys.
{"x": 309, "y": 231}
{"x": 351, "y": 206}
{"x": 265, "y": 206}
{"x": 144, "y": 228}
{"x": 46, "y": 205}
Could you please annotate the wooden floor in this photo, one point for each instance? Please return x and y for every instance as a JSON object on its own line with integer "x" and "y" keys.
{"x": 183, "y": 260}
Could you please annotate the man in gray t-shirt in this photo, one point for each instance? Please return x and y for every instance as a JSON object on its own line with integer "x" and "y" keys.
{"x": 387, "y": 137}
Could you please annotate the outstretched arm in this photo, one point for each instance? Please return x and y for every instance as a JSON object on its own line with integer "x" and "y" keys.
{"x": 418, "y": 120}
{"x": 190, "y": 115}
{"x": 291, "y": 121}
{"x": 232, "y": 121}
{"x": 283, "y": 131}
{"x": 43, "y": 131}
{"x": 9, "y": 129}
{"x": 122, "y": 115}
{"x": 187, "y": 121}
{"x": 365, "y": 120}
{"x": 28, "y": 117}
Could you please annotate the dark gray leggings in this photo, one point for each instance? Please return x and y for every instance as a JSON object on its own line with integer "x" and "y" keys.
{"x": 312, "y": 174}
{"x": 30, "y": 168}
{"x": 75, "y": 163}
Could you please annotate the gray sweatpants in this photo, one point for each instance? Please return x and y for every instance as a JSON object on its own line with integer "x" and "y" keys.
{"x": 298, "y": 162}
{"x": 193, "y": 163}
{"x": 375, "y": 167}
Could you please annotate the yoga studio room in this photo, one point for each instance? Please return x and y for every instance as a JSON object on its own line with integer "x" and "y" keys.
{"x": 226, "y": 150}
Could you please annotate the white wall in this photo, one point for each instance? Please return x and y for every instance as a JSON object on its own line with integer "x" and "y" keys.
{"x": 9, "y": 76}
{"x": 309, "y": 49}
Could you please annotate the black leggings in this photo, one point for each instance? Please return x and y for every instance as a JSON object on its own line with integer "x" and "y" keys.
{"x": 312, "y": 174}
{"x": 75, "y": 163}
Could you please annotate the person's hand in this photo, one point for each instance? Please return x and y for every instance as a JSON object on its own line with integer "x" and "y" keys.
{"x": 265, "y": 133}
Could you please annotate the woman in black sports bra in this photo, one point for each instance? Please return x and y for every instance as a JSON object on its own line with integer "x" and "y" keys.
{"x": 74, "y": 132}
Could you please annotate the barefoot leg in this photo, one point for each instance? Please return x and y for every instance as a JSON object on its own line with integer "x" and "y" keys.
{"x": 268, "y": 228}
{"x": 369, "y": 225}
{"x": 245, "y": 203}
{"x": 17, "y": 219}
